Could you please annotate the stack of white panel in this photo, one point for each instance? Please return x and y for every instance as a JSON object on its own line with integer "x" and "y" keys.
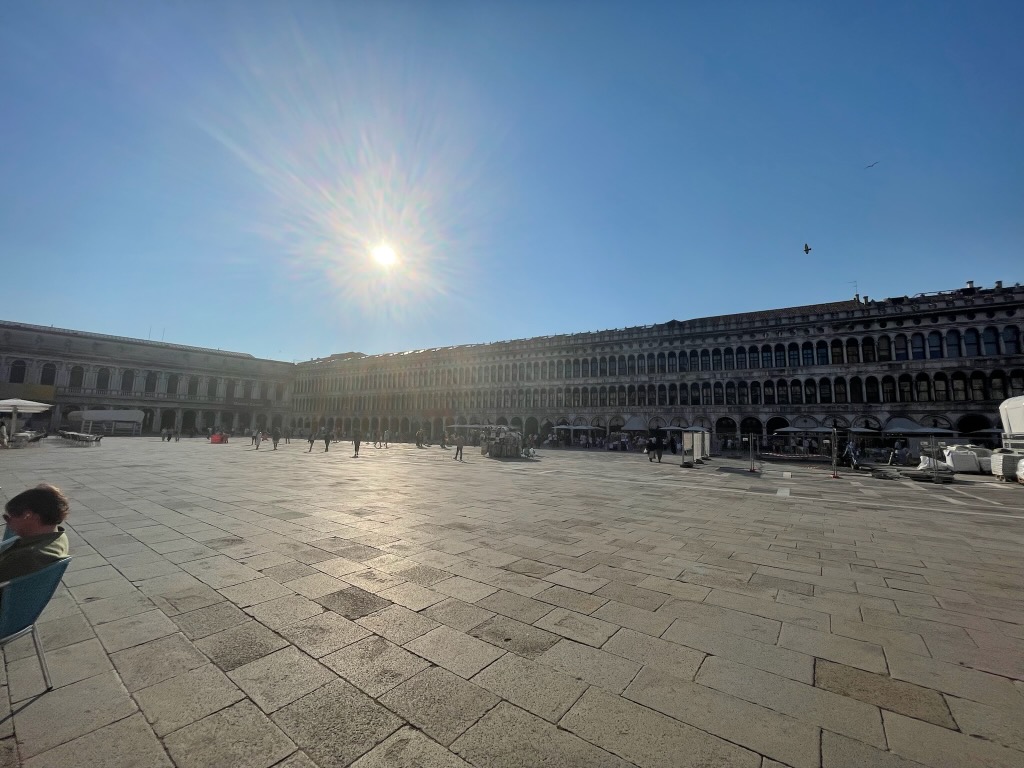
{"x": 1005, "y": 465}
{"x": 963, "y": 461}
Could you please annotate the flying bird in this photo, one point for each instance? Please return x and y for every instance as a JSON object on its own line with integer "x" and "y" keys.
{"x": 807, "y": 249}
{"x": 872, "y": 165}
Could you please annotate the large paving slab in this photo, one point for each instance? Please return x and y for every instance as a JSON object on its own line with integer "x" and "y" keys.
{"x": 238, "y": 608}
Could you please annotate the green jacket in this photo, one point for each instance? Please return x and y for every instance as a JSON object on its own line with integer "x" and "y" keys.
{"x": 32, "y": 553}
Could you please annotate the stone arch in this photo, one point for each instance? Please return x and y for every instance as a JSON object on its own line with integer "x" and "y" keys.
{"x": 972, "y": 422}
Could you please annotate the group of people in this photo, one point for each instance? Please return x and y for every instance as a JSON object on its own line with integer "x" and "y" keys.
{"x": 170, "y": 434}
{"x": 275, "y": 435}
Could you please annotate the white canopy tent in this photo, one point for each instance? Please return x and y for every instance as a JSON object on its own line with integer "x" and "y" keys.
{"x": 15, "y": 405}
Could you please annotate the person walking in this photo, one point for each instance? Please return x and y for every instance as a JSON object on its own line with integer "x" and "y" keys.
{"x": 659, "y": 445}
{"x": 355, "y": 444}
{"x": 327, "y": 439}
{"x": 258, "y": 439}
{"x": 387, "y": 437}
{"x": 312, "y": 439}
{"x": 460, "y": 442}
{"x": 276, "y": 436}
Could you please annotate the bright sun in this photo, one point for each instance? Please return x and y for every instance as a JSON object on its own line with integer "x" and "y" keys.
{"x": 384, "y": 255}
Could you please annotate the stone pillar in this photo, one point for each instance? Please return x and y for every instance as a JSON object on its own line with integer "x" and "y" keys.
{"x": 155, "y": 426}
{"x": 179, "y": 417}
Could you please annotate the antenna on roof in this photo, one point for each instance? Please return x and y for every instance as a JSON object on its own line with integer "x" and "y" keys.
{"x": 856, "y": 290}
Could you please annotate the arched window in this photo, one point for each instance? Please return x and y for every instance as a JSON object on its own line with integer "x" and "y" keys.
{"x": 888, "y": 389}
{"x": 972, "y": 343}
{"x": 694, "y": 394}
{"x": 193, "y": 386}
{"x": 867, "y": 346}
{"x": 837, "y": 352}
{"x": 941, "y": 388}
{"x": 641, "y": 395}
{"x": 719, "y": 394}
{"x": 694, "y": 360}
{"x": 631, "y": 395}
{"x": 103, "y": 379}
{"x": 856, "y": 390}
{"x": 810, "y": 392}
{"x": 662, "y": 395}
{"x": 730, "y": 393}
{"x": 825, "y": 391}
{"x": 852, "y": 351}
{"x": 705, "y": 360}
{"x": 755, "y": 393}
{"x": 978, "y": 387}
{"x": 794, "y": 354}
{"x": 585, "y": 368}
{"x": 807, "y": 351}
{"x": 1011, "y": 340}
{"x": 622, "y": 365}
{"x": 684, "y": 394}
{"x": 604, "y": 366}
{"x": 766, "y": 356}
{"x": 923, "y": 387}
{"x": 953, "y": 343}
{"x": 1016, "y": 383}
{"x": 705, "y": 394}
{"x": 48, "y": 376}
{"x": 782, "y": 392}
{"x": 741, "y": 358}
{"x": 906, "y": 388}
{"x": 77, "y": 377}
{"x": 650, "y": 363}
{"x": 917, "y": 347}
{"x": 871, "y": 391}
{"x": 901, "y": 350}
{"x": 641, "y": 364}
{"x": 743, "y": 393}
{"x": 17, "y": 375}
{"x": 128, "y": 380}
{"x": 839, "y": 387}
{"x": 613, "y": 366}
{"x": 631, "y": 365}
{"x": 780, "y": 356}
{"x": 997, "y": 386}
{"x": 990, "y": 341}
{"x": 821, "y": 349}
{"x": 716, "y": 360}
{"x": 673, "y": 395}
{"x": 673, "y": 366}
{"x": 796, "y": 392}
{"x": 884, "y": 349}
{"x": 769, "y": 393}
{"x": 934, "y": 345}
{"x": 730, "y": 362}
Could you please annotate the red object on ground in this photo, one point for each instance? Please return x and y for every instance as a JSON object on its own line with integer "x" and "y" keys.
{"x": 218, "y": 438}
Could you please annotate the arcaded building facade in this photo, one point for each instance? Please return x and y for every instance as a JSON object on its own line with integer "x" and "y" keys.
{"x": 943, "y": 359}
{"x": 175, "y": 386}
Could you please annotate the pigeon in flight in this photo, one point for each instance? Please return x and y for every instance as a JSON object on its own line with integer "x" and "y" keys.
{"x": 807, "y": 249}
{"x": 872, "y": 165}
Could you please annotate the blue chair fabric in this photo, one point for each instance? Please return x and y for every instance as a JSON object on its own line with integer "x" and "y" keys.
{"x": 22, "y": 600}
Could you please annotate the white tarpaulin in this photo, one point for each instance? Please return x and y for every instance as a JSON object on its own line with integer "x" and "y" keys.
{"x": 15, "y": 405}
{"x": 107, "y": 415}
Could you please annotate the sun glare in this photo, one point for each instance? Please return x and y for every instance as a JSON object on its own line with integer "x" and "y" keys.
{"x": 385, "y": 255}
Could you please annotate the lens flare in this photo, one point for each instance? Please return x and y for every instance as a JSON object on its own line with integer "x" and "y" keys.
{"x": 357, "y": 152}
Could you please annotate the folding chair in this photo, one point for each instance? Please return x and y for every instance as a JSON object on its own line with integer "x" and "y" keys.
{"x": 22, "y": 600}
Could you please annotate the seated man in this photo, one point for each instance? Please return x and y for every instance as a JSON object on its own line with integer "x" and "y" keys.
{"x": 34, "y": 516}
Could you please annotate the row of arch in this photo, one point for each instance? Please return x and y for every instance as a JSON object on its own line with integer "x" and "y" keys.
{"x": 952, "y": 344}
{"x": 724, "y": 426}
{"x": 906, "y": 388}
{"x": 108, "y": 381}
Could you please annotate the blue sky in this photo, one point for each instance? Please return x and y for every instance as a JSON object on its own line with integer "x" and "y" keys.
{"x": 218, "y": 173}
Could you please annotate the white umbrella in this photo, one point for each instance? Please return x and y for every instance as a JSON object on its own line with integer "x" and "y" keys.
{"x": 15, "y": 405}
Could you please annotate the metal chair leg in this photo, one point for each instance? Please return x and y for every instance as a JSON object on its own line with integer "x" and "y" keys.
{"x": 42, "y": 658}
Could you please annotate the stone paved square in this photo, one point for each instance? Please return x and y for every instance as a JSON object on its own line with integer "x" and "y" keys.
{"x": 586, "y": 608}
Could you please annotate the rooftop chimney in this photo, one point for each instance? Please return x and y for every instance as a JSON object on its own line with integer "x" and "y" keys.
{"x": 970, "y": 283}
{"x": 999, "y": 284}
